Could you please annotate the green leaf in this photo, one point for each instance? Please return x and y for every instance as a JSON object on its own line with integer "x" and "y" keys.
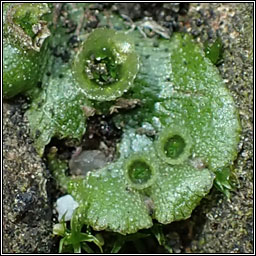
{"x": 77, "y": 240}
{"x": 119, "y": 243}
{"x": 222, "y": 181}
{"x": 214, "y": 51}
{"x": 62, "y": 241}
{"x": 111, "y": 202}
{"x": 157, "y": 230}
{"x": 201, "y": 102}
{"x": 177, "y": 188}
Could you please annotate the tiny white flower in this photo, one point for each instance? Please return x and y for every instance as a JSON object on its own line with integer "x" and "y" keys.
{"x": 66, "y": 205}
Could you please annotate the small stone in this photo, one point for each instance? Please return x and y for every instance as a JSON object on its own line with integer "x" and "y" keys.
{"x": 86, "y": 161}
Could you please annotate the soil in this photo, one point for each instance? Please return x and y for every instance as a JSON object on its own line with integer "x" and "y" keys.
{"x": 27, "y": 213}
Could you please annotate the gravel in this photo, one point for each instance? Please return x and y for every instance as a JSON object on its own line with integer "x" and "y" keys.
{"x": 27, "y": 213}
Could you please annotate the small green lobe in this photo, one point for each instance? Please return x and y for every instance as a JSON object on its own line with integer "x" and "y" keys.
{"x": 24, "y": 63}
{"x": 21, "y": 69}
{"x": 215, "y": 51}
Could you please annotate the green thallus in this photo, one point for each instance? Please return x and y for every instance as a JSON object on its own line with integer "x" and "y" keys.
{"x": 163, "y": 168}
{"x": 190, "y": 112}
{"x": 24, "y": 33}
